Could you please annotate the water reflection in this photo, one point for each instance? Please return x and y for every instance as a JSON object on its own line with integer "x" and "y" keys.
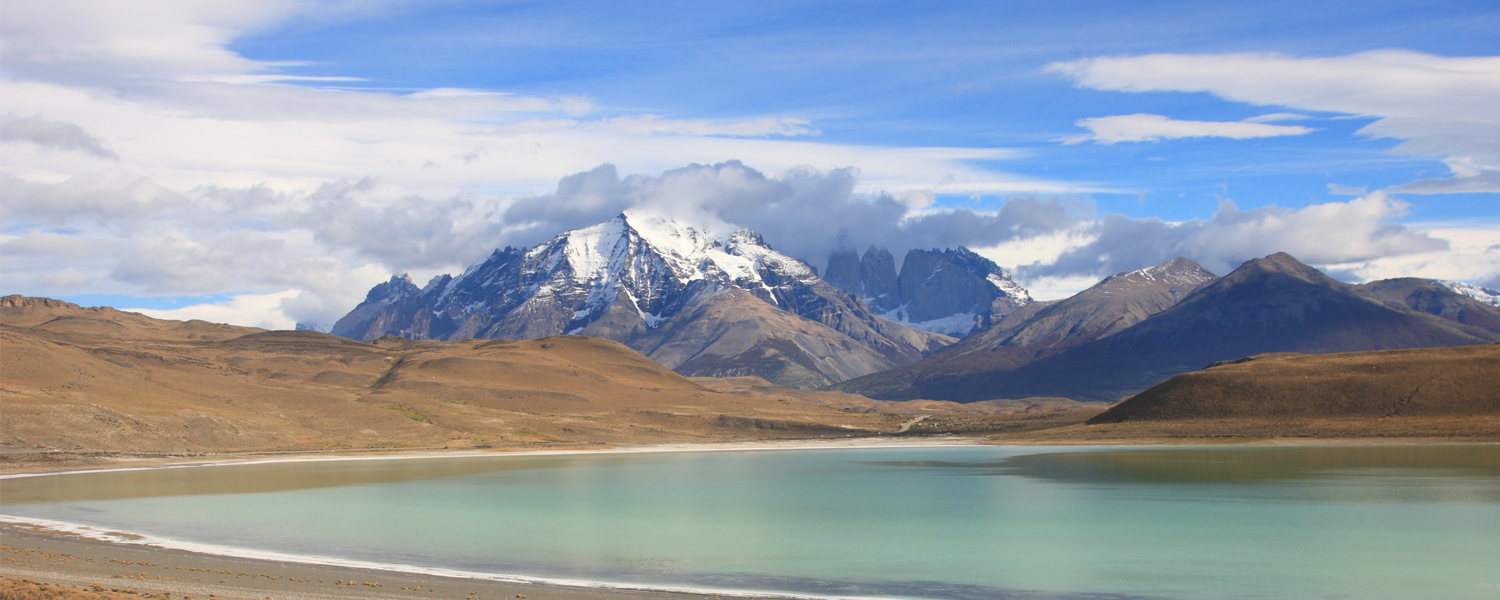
{"x": 1236, "y": 465}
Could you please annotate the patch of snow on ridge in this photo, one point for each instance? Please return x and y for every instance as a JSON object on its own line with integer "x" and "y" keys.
{"x": 958, "y": 325}
{"x": 1479, "y": 294}
{"x": 1013, "y": 290}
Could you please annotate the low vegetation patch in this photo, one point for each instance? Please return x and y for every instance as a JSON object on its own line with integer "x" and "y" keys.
{"x": 407, "y": 411}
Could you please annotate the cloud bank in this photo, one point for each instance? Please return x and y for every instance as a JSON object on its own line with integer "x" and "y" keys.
{"x": 1444, "y": 107}
{"x": 311, "y": 256}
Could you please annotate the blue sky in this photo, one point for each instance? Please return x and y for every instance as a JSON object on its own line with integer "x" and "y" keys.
{"x": 923, "y": 74}
{"x": 269, "y": 161}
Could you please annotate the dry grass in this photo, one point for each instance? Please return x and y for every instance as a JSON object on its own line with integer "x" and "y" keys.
{"x": 26, "y": 589}
{"x": 100, "y": 381}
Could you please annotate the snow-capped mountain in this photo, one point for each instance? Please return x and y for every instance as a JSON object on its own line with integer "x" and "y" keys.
{"x": 949, "y": 291}
{"x": 1478, "y": 294}
{"x": 641, "y": 280}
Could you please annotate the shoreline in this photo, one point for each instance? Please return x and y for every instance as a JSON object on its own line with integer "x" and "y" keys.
{"x": 172, "y": 461}
{"x": 85, "y": 540}
{"x": 258, "y": 458}
{"x": 61, "y": 542}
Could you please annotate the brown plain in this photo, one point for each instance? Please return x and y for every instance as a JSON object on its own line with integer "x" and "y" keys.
{"x": 98, "y": 379}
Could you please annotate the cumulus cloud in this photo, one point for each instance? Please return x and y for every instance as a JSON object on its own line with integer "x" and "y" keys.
{"x": 803, "y": 212}
{"x": 1321, "y": 234}
{"x": 254, "y": 310}
{"x": 1445, "y": 107}
{"x": 117, "y": 232}
{"x": 1154, "y": 128}
{"x": 54, "y": 135}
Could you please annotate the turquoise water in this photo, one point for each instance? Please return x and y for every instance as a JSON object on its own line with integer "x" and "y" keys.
{"x": 958, "y": 522}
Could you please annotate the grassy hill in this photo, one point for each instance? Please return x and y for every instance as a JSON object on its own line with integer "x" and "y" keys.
{"x": 1461, "y": 381}
{"x": 98, "y": 379}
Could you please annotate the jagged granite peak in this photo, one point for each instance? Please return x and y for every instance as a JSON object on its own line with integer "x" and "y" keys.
{"x": 620, "y": 280}
{"x": 882, "y": 285}
{"x": 953, "y": 291}
{"x": 950, "y": 291}
{"x": 843, "y": 271}
{"x": 872, "y": 277}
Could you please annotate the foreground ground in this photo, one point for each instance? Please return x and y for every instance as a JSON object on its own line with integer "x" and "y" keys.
{"x": 94, "y": 569}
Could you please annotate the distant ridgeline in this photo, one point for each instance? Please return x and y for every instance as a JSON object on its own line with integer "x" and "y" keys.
{"x": 1138, "y": 328}
{"x": 723, "y": 303}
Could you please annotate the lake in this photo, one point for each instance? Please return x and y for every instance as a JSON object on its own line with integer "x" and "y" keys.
{"x": 963, "y": 522}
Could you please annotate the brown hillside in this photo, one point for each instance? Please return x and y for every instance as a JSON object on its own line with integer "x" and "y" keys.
{"x": 1423, "y": 382}
{"x": 74, "y": 378}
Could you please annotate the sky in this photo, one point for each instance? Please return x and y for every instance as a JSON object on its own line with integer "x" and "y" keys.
{"x": 266, "y": 163}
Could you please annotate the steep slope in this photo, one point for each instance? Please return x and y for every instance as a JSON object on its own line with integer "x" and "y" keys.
{"x": 99, "y": 379}
{"x": 1423, "y": 382}
{"x": 1041, "y": 329}
{"x": 1273, "y": 304}
{"x": 1440, "y": 298}
{"x": 949, "y": 291}
{"x": 624, "y": 280}
{"x": 1117, "y": 302}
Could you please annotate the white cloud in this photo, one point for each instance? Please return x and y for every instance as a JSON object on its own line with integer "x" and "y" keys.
{"x": 54, "y": 135}
{"x": 653, "y": 124}
{"x": 1445, "y": 107}
{"x": 249, "y": 310}
{"x": 1321, "y": 234}
{"x": 1473, "y": 256}
{"x": 1347, "y": 190}
{"x": 1277, "y": 118}
{"x": 1154, "y": 128}
{"x": 1486, "y": 181}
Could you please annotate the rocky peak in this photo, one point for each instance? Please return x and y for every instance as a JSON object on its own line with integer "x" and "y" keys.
{"x": 19, "y": 301}
{"x": 399, "y": 286}
{"x": 1283, "y": 264}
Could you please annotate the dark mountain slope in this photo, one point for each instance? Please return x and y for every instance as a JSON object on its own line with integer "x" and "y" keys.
{"x": 1429, "y": 296}
{"x": 1273, "y": 304}
{"x": 1041, "y": 329}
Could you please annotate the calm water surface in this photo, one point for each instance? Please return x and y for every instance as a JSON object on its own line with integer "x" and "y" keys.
{"x": 956, "y": 523}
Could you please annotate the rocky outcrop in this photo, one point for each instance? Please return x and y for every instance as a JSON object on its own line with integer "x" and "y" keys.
{"x": 947, "y": 291}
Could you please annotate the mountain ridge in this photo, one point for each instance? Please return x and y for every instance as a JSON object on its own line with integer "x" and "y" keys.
{"x": 1270, "y": 304}
{"x": 629, "y": 279}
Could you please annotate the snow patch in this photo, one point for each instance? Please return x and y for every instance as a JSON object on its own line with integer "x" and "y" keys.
{"x": 957, "y": 325}
{"x": 1478, "y": 294}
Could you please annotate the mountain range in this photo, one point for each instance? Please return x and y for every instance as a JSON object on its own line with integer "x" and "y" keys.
{"x": 702, "y": 300}
{"x": 1138, "y": 328}
{"x": 717, "y": 301}
{"x": 950, "y": 291}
